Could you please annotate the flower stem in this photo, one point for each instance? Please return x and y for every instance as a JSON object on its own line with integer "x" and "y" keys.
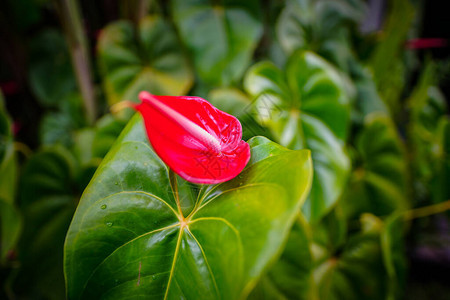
{"x": 427, "y": 210}
{"x": 78, "y": 46}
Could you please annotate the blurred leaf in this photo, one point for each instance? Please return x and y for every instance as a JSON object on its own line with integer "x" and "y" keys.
{"x": 308, "y": 107}
{"x": 147, "y": 58}
{"x": 331, "y": 232}
{"x": 236, "y": 103}
{"x": 356, "y": 271}
{"x": 386, "y": 60}
{"x": 441, "y": 188}
{"x": 392, "y": 242}
{"x": 353, "y": 270}
{"x": 58, "y": 127}
{"x": 130, "y": 210}
{"x": 48, "y": 196}
{"x": 5, "y": 131}
{"x": 107, "y": 131}
{"x": 50, "y": 72}
{"x": 291, "y": 276}
{"x": 221, "y": 35}
{"x": 10, "y": 220}
{"x": 320, "y": 26}
{"x": 92, "y": 144}
{"x": 368, "y": 99}
{"x": 379, "y": 182}
{"x": 10, "y": 225}
{"x": 427, "y": 138}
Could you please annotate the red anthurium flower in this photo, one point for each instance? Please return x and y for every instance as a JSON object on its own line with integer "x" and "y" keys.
{"x": 196, "y": 140}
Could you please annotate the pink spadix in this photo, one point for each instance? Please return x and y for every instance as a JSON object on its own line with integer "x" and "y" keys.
{"x": 197, "y": 141}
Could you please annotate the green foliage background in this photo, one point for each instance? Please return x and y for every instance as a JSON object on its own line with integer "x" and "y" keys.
{"x": 353, "y": 148}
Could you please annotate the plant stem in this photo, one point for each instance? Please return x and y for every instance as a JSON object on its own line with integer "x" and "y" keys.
{"x": 78, "y": 46}
{"x": 427, "y": 210}
{"x": 174, "y": 186}
{"x": 134, "y": 10}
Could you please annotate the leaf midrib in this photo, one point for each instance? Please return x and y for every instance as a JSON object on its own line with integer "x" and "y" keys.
{"x": 181, "y": 229}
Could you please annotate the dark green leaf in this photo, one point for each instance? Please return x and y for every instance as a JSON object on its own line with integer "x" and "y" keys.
{"x": 51, "y": 75}
{"x": 10, "y": 219}
{"x": 48, "y": 196}
{"x": 392, "y": 243}
{"x": 139, "y": 232}
{"x": 379, "y": 182}
{"x": 386, "y": 60}
{"x": 291, "y": 276}
{"x": 148, "y": 58}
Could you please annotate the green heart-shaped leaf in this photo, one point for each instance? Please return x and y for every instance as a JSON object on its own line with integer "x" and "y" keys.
{"x": 140, "y": 232}
{"x": 149, "y": 58}
{"x": 308, "y": 107}
{"x": 221, "y": 35}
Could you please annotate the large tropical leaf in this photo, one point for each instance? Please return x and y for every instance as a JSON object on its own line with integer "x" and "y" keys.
{"x": 147, "y": 58}
{"x": 221, "y": 35}
{"x": 139, "y": 231}
{"x": 308, "y": 107}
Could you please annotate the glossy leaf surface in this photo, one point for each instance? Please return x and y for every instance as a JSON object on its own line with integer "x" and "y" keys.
{"x": 149, "y": 58}
{"x": 140, "y": 232}
{"x": 221, "y": 36}
{"x": 308, "y": 107}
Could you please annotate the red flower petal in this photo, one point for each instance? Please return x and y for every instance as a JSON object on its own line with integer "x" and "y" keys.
{"x": 197, "y": 141}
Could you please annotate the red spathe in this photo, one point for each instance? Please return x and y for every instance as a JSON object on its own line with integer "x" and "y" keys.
{"x": 196, "y": 140}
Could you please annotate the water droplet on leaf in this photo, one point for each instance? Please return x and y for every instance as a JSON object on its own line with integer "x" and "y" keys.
{"x": 103, "y": 206}
{"x": 109, "y": 224}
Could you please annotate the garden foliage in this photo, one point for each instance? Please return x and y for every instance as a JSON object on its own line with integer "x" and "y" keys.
{"x": 320, "y": 211}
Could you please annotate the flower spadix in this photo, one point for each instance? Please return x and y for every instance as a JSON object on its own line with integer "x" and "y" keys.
{"x": 196, "y": 140}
